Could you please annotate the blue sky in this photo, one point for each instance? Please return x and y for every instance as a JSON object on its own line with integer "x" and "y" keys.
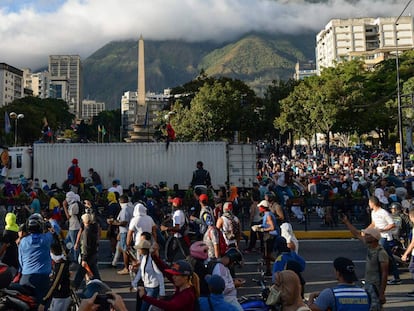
{"x": 39, "y": 5}
{"x": 31, "y": 30}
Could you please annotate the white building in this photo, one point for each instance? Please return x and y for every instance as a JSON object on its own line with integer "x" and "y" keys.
{"x": 11, "y": 84}
{"x": 128, "y": 108}
{"x": 369, "y": 39}
{"x": 91, "y": 108}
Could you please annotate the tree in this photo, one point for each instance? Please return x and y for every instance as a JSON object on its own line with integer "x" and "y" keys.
{"x": 219, "y": 108}
{"x": 35, "y": 109}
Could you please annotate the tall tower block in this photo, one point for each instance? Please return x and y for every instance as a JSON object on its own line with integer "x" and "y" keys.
{"x": 141, "y": 73}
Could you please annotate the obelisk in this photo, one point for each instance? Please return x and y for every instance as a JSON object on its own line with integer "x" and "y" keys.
{"x": 141, "y": 73}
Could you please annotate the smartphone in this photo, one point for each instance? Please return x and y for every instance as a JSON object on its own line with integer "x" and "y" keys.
{"x": 102, "y": 301}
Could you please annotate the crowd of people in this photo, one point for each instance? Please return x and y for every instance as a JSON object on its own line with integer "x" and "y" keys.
{"x": 195, "y": 241}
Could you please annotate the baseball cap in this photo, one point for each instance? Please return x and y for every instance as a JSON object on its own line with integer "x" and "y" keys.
{"x": 216, "y": 283}
{"x": 181, "y": 267}
{"x": 374, "y": 232}
{"x": 263, "y": 205}
{"x": 203, "y": 198}
{"x": 228, "y": 206}
{"x": 346, "y": 267}
{"x": 177, "y": 201}
{"x": 143, "y": 244}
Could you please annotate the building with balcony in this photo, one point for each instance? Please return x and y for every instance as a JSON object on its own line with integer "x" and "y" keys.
{"x": 304, "y": 69}
{"x": 11, "y": 84}
{"x": 369, "y": 39}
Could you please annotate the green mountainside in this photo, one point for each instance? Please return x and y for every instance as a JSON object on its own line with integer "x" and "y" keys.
{"x": 255, "y": 58}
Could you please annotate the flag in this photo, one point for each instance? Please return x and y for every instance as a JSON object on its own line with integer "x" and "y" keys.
{"x": 99, "y": 128}
{"x": 146, "y": 117}
{"x": 103, "y": 131}
{"x": 7, "y": 126}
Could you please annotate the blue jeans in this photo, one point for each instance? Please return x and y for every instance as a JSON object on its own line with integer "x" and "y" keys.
{"x": 71, "y": 237}
{"x": 392, "y": 264}
{"x": 152, "y": 292}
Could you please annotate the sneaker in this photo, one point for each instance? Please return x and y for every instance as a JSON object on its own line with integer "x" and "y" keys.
{"x": 123, "y": 271}
{"x": 394, "y": 282}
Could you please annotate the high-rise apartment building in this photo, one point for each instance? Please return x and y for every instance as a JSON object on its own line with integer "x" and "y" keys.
{"x": 369, "y": 39}
{"x": 11, "y": 84}
{"x": 91, "y": 108}
{"x": 66, "y": 79}
{"x": 39, "y": 83}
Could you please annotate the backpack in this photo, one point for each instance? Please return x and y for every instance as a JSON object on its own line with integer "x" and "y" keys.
{"x": 222, "y": 241}
{"x": 203, "y": 225}
{"x": 234, "y": 232}
{"x": 71, "y": 173}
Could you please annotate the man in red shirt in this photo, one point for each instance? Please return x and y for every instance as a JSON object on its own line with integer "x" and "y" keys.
{"x": 74, "y": 176}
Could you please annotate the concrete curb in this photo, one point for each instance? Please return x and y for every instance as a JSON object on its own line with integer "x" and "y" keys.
{"x": 300, "y": 234}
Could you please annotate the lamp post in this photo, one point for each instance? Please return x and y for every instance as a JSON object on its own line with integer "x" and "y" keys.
{"x": 397, "y": 64}
{"x": 16, "y": 117}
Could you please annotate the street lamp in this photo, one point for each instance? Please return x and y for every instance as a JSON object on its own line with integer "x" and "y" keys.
{"x": 16, "y": 117}
{"x": 397, "y": 64}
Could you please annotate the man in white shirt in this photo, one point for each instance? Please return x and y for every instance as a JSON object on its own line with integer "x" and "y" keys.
{"x": 382, "y": 220}
{"x": 140, "y": 223}
{"x": 178, "y": 239}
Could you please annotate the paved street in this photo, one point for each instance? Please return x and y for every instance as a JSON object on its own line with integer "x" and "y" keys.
{"x": 319, "y": 255}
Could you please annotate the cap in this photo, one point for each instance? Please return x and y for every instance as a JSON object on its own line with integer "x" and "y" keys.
{"x": 74, "y": 161}
{"x": 216, "y": 283}
{"x": 203, "y": 198}
{"x": 181, "y": 267}
{"x": 263, "y": 203}
{"x": 177, "y": 201}
{"x": 143, "y": 244}
{"x": 227, "y": 207}
{"x": 346, "y": 267}
{"x": 374, "y": 232}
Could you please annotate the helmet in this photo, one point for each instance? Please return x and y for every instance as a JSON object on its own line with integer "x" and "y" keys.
{"x": 199, "y": 250}
{"x": 234, "y": 255}
{"x": 35, "y": 223}
{"x": 396, "y": 205}
{"x": 6, "y": 275}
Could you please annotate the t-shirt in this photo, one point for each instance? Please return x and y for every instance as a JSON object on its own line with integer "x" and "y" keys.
{"x": 178, "y": 219}
{"x": 372, "y": 267}
{"x": 34, "y": 253}
{"x": 124, "y": 215}
{"x": 381, "y": 218}
{"x": 10, "y": 257}
{"x": 211, "y": 238}
{"x": 73, "y": 211}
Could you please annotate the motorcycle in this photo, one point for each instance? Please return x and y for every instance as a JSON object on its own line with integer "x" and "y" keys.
{"x": 257, "y": 302}
{"x": 17, "y": 297}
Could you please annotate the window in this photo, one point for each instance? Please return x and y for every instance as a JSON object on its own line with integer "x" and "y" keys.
{"x": 19, "y": 161}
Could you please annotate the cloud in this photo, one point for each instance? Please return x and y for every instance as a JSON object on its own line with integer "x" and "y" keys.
{"x": 35, "y": 29}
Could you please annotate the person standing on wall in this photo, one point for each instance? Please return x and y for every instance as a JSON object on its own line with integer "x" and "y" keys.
{"x": 201, "y": 180}
{"x": 74, "y": 176}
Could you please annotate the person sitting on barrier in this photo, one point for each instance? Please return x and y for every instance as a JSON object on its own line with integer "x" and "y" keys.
{"x": 346, "y": 295}
{"x": 215, "y": 301}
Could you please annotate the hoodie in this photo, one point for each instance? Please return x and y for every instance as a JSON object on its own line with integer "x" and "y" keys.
{"x": 141, "y": 222}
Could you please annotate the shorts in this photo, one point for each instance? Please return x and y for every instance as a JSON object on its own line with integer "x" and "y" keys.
{"x": 123, "y": 241}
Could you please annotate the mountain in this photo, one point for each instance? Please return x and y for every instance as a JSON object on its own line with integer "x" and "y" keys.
{"x": 254, "y": 58}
